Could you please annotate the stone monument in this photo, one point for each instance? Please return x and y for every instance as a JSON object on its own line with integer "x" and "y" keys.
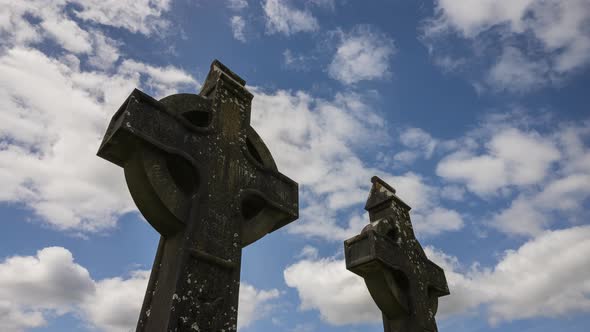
{"x": 402, "y": 281}
{"x": 204, "y": 179}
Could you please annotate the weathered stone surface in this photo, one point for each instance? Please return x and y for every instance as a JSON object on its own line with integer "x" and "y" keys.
{"x": 203, "y": 178}
{"x": 404, "y": 283}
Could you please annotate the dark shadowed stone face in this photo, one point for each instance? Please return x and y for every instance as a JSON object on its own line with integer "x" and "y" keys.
{"x": 404, "y": 283}
{"x": 205, "y": 180}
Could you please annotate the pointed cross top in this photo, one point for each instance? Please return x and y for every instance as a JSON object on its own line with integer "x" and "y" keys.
{"x": 219, "y": 71}
{"x": 381, "y": 194}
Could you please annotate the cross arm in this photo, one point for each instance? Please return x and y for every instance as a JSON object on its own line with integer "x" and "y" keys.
{"x": 142, "y": 119}
{"x": 141, "y": 138}
{"x": 270, "y": 201}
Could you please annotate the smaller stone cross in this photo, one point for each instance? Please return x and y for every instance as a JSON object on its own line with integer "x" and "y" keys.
{"x": 402, "y": 281}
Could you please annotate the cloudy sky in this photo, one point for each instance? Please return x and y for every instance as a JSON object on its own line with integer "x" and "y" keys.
{"x": 475, "y": 111}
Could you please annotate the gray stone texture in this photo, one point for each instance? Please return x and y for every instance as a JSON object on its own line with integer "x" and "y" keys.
{"x": 402, "y": 281}
{"x": 204, "y": 179}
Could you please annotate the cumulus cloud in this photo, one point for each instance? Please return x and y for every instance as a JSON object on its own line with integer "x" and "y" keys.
{"x": 254, "y": 304}
{"x": 555, "y": 33}
{"x": 36, "y": 288}
{"x": 418, "y": 143}
{"x": 531, "y": 213}
{"x": 31, "y": 286}
{"x": 281, "y": 17}
{"x": 54, "y": 116}
{"x": 503, "y": 163}
{"x": 429, "y": 217}
{"x": 13, "y": 319}
{"x": 362, "y": 54}
{"x": 53, "y": 21}
{"x": 54, "y": 112}
{"x": 521, "y": 285}
{"x": 514, "y": 72}
{"x": 49, "y": 280}
{"x": 142, "y": 16}
{"x": 315, "y": 146}
{"x": 316, "y": 149}
{"x": 340, "y": 296}
{"x": 543, "y": 173}
{"x": 56, "y": 109}
{"x": 116, "y": 302}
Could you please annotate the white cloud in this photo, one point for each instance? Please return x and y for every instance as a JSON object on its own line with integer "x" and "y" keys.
{"x": 544, "y": 173}
{"x": 46, "y": 162}
{"x": 238, "y": 25}
{"x": 53, "y": 113}
{"x": 453, "y": 192}
{"x": 34, "y": 289}
{"x": 50, "y": 280}
{"x": 68, "y": 34}
{"x": 143, "y": 16}
{"x": 106, "y": 52}
{"x": 503, "y": 164}
{"x": 52, "y": 20}
{"x": 31, "y": 286}
{"x": 419, "y": 144}
{"x": 363, "y": 54}
{"x": 530, "y": 214}
{"x": 340, "y": 296}
{"x": 436, "y": 221}
{"x": 281, "y": 17}
{"x": 417, "y": 138}
{"x": 555, "y": 34}
{"x": 53, "y": 118}
{"x": 315, "y": 148}
{"x": 428, "y": 217}
{"x": 522, "y": 284}
{"x": 514, "y": 72}
{"x": 116, "y": 303}
{"x": 309, "y": 252}
{"x": 162, "y": 80}
{"x": 254, "y": 304}
{"x": 13, "y": 319}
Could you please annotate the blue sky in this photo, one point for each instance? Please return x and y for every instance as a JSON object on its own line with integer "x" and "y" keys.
{"x": 475, "y": 111}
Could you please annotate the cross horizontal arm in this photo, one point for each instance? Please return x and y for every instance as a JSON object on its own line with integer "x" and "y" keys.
{"x": 277, "y": 196}
{"x": 142, "y": 118}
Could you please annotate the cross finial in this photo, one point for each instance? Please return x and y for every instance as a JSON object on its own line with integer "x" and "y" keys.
{"x": 381, "y": 194}
{"x": 220, "y": 71}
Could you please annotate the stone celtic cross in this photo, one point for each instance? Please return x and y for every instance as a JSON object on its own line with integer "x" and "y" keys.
{"x": 402, "y": 281}
{"x": 203, "y": 178}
